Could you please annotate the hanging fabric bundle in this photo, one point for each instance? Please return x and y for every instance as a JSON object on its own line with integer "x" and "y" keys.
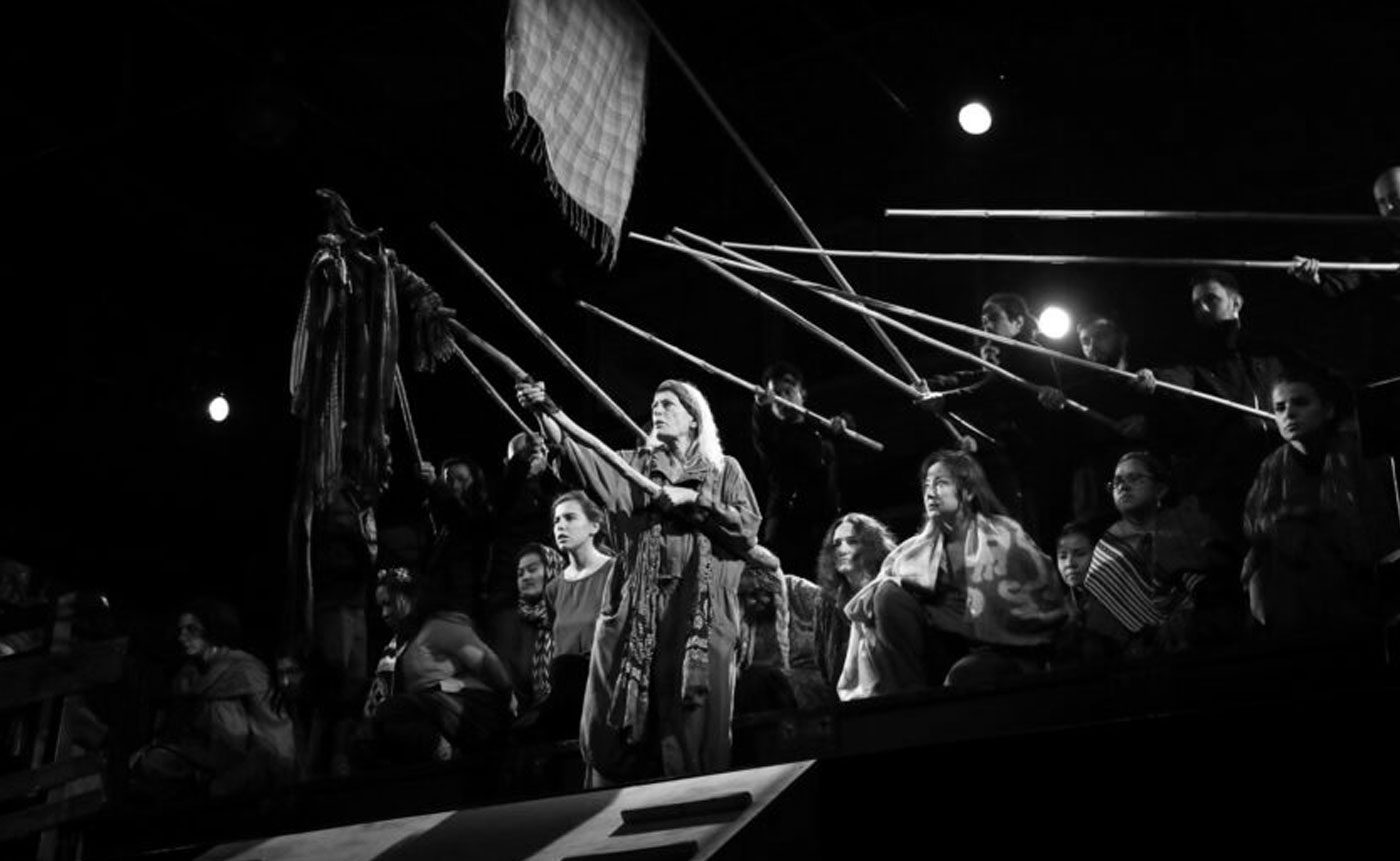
{"x": 344, "y": 360}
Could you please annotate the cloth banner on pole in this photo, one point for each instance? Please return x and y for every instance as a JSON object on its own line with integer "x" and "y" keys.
{"x": 577, "y": 68}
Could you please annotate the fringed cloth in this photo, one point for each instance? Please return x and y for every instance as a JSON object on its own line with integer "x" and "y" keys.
{"x": 578, "y": 70}
{"x": 343, "y": 371}
{"x": 643, "y": 589}
{"x": 1121, "y": 580}
{"x": 540, "y": 617}
{"x": 1014, "y": 595}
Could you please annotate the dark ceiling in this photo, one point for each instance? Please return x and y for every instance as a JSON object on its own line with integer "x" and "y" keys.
{"x": 160, "y": 161}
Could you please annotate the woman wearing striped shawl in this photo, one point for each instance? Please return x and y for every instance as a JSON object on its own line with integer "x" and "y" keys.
{"x": 1158, "y": 580}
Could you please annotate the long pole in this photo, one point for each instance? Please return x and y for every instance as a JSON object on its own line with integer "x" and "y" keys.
{"x": 772, "y": 186}
{"x": 726, "y": 375}
{"x": 539, "y": 333}
{"x": 490, "y": 389}
{"x": 1065, "y": 259}
{"x": 1056, "y": 355}
{"x": 1012, "y": 342}
{"x": 801, "y": 321}
{"x": 413, "y": 444}
{"x": 569, "y": 426}
{"x": 734, "y": 259}
{"x": 1145, "y": 215}
{"x": 962, "y": 354}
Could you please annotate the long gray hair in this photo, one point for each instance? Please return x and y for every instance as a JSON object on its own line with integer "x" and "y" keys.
{"x": 706, "y": 433}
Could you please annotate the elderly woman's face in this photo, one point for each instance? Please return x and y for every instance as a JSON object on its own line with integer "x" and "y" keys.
{"x": 669, "y": 417}
{"x": 190, "y": 633}
{"x": 529, "y": 576}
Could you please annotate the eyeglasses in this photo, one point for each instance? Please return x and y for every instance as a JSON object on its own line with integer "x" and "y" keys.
{"x": 1125, "y": 481}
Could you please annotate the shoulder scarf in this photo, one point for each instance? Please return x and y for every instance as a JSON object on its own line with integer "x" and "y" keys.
{"x": 997, "y": 553}
{"x": 642, "y": 588}
{"x": 541, "y": 618}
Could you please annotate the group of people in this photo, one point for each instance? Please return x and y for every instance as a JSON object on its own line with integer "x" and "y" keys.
{"x": 638, "y": 600}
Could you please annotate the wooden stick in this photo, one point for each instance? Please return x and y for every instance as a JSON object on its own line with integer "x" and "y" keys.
{"x": 535, "y": 330}
{"x": 569, "y": 426}
{"x": 963, "y": 354}
{"x": 490, "y": 389}
{"x": 833, "y": 295}
{"x": 407, "y": 413}
{"x": 730, "y": 258}
{"x": 1020, "y": 345}
{"x": 725, "y": 375}
{"x": 801, "y": 321}
{"x": 1063, "y": 259}
{"x": 413, "y": 436}
{"x": 772, "y": 186}
{"x": 736, "y": 260}
{"x": 1064, "y": 357}
{"x": 1145, "y": 215}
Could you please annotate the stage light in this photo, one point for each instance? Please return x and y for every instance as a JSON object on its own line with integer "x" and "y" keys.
{"x": 1055, "y": 322}
{"x": 974, "y": 118}
{"x": 218, "y": 409}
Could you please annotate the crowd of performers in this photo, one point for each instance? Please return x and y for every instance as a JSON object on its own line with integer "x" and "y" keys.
{"x": 570, "y": 603}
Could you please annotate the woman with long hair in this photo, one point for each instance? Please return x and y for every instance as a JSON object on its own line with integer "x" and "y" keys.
{"x": 661, "y": 682}
{"x": 852, "y": 552}
{"x": 1024, "y": 423}
{"x": 968, "y": 601}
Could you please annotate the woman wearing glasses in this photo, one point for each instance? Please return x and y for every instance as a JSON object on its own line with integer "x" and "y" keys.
{"x": 969, "y": 601}
{"x": 1160, "y": 577}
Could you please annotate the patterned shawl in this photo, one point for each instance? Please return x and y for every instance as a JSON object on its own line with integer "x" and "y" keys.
{"x": 540, "y": 616}
{"x": 1014, "y": 595}
{"x": 643, "y": 594}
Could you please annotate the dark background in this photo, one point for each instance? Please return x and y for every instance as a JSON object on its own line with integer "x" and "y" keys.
{"x": 160, "y": 162}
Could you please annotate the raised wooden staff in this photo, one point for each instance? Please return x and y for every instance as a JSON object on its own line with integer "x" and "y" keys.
{"x": 1146, "y": 215}
{"x": 490, "y": 389}
{"x": 963, "y": 354}
{"x": 771, "y": 184}
{"x": 1066, "y": 259}
{"x": 1052, "y": 354}
{"x": 733, "y": 259}
{"x": 917, "y": 394}
{"x": 725, "y": 375}
{"x": 569, "y": 426}
{"x": 539, "y": 333}
{"x": 1012, "y": 342}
